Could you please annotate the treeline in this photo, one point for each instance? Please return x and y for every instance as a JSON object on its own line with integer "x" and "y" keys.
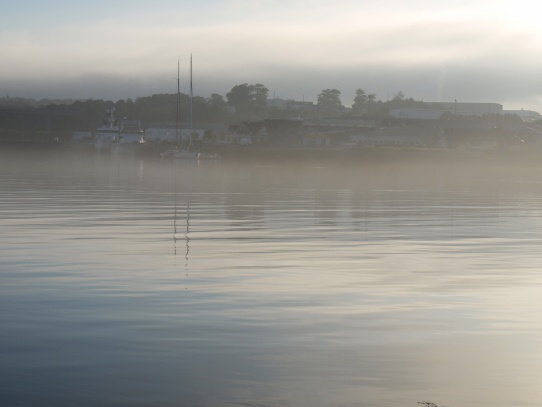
{"x": 20, "y": 116}
{"x": 243, "y": 102}
{"x": 28, "y": 117}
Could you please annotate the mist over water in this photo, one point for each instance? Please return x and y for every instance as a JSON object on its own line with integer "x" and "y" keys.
{"x": 372, "y": 283}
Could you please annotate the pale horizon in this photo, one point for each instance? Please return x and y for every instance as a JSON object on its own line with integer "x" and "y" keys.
{"x": 477, "y": 51}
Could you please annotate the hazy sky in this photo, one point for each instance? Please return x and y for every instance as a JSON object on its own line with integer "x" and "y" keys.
{"x": 472, "y": 51}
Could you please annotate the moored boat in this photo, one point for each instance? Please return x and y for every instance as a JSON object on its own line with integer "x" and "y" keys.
{"x": 107, "y": 132}
{"x": 208, "y": 156}
{"x": 170, "y": 153}
{"x": 187, "y": 152}
{"x": 129, "y": 136}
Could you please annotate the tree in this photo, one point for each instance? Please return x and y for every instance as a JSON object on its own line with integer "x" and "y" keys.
{"x": 330, "y": 99}
{"x": 217, "y": 107}
{"x": 248, "y": 99}
{"x": 216, "y": 100}
{"x": 399, "y": 96}
{"x": 400, "y": 100}
{"x": 239, "y": 96}
{"x": 370, "y": 100}
{"x": 258, "y": 94}
{"x": 360, "y": 101}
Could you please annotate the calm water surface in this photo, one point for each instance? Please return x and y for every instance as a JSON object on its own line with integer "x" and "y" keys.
{"x": 129, "y": 282}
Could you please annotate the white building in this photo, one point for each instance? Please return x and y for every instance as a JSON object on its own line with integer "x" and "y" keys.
{"x": 434, "y": 110}
{"x": 288, "y": 104}
{"x": 468, "y": 108}
{"x": 168, "y": 134}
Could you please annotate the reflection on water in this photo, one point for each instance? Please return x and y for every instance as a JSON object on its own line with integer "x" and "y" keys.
{"x": 129, "y": 282}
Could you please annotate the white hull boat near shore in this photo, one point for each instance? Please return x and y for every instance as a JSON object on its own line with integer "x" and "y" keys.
{"x": 106, "y": 133}
{"x": 207, "y": 156}
{"x": 130, "y": 135}
{"x": 176, "y": 153}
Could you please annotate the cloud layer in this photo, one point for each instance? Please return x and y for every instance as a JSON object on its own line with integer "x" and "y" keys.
{"x": 476, "y": 51}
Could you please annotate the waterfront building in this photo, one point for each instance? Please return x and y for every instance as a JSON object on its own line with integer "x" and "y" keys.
{"x": 289, "y": 104}
{"x": 434, "y": 110}
{"x": 167, "y": 133}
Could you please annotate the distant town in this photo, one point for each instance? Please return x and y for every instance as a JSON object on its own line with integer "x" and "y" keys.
{"x": 248, "y": 118}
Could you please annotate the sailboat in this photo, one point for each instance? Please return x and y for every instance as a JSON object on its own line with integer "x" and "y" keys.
{"x": 187, "y": 152}
{"x": 173, "y": 149}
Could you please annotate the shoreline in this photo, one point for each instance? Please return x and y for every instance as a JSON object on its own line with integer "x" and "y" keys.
{"x": 278, "y": 153}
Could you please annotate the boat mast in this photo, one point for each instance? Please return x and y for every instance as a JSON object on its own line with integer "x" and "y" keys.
{"x": 191, "y": 100}
{"x": 178, "y": 106}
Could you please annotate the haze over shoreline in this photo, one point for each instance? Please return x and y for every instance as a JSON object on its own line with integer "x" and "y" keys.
{"x": 475, "y": 51}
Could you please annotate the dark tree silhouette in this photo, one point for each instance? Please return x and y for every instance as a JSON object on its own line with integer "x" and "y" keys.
{"x": 330, "y": 99}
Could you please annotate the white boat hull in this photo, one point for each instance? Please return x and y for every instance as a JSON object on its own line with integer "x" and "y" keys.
{"x": 122, "y": 149}
{"x": 188, "y": 155}
{"x": 106, "y": 133}
{"x": 103, "y": 142}
{"x": 207, "y": 156}
{"x": 169, "y": 153}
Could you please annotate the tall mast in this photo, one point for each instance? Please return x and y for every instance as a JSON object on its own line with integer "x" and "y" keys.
{"x": 191, "y": 98}
{"x": 178, "y": 106}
